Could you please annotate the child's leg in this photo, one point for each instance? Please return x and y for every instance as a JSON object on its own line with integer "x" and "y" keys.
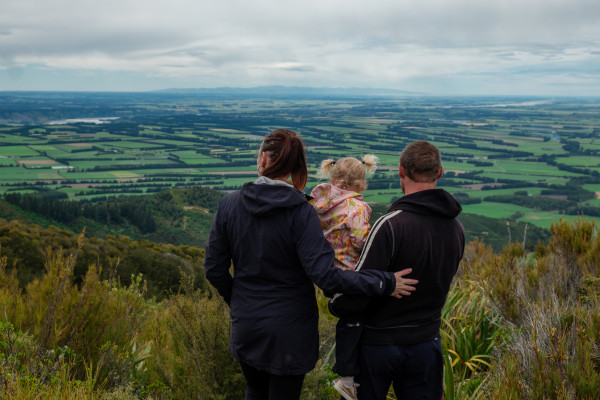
{"x": 347, "y": 338}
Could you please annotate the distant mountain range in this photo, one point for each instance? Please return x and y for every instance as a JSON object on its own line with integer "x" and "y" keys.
{"x": 293, "y": 91}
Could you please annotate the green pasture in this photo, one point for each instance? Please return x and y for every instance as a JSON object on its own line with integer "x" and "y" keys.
{"x": 167, "y": 171}
{"x": 495, "y": 210}
{"x": 460, "y": 167}
{"x": 541, "y": 219}
{"x": 58, "y": 132}
{"x": 545, "y": 219}
{"x": 73, "y": 192}
{"x": 188, "y": 153}
{"x": 590, "y": 144}
{"x": 527, "y": 168}
{"x": 325, "y": 152}
{"x": 108, "y": 136}
{"x": 46, "y": 148}
{"x": 152, "y": 131}
{"x": 101, "y": 175}
{"x": 17, "y": 151}
{"x": 542, "y": 148}
{"x": 236, "y": 182}
{"x": 119, "y": 164}
{"x": 317, "y": 141}
{"x": 184, "y": 132}
{"x": 554, "y": 180}
{"x": 52, "y": 151}
{"x": 41, "y": 163}
{"x": 72, "y": 147}
{"x": 455, "y": 151}
{"x": 593, "y": 188}
{"x": 95, "y": 155}
{"x": 6, "y": 139}
{"x": 48, "y": 175}
{"x": 593, "y": 202}
{"x": 482, "y": 143}
{"x": 5, "y": 161}
{"x": 580, "y": 161}
{"x": 192, "y": 155}
{"x": 172, "y": 142}
{"x": 381, "y": 196}
{"x": 128, "y": 144}
{"x": 230, "y": 170}
{"x": 387, "y": 159}
{"x": 18, "y": 174}
{"x": 532, "y": 191}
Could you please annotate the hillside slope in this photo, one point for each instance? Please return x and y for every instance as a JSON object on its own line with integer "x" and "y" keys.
{"x": 180, "y": 216}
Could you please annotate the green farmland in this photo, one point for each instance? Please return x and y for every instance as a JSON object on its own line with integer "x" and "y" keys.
{"x": 510, "y": 159}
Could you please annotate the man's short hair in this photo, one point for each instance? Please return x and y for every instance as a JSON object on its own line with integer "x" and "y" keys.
{"x": 421, "y": 161}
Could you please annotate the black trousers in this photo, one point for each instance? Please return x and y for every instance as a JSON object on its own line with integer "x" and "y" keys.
{"x": 415, "y": 371}
{"x": 262, "y": 385}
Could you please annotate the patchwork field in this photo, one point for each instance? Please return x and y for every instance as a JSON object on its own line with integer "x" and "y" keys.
{"x": 516, "y": 160}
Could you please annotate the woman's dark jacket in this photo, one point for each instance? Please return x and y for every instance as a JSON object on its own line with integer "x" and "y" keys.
{"x": 274, "y": 238}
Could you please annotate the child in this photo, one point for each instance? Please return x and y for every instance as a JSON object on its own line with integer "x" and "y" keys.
{"x": 344, "y": 219}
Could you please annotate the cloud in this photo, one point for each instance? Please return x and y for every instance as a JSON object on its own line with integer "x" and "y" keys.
{"x": 327, "y": 43}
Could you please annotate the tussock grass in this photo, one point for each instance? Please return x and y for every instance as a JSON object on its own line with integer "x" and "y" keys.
{"x": 546, "y": 306}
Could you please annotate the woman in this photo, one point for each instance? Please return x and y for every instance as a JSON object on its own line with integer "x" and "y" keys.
{"x": 274, "y": 238}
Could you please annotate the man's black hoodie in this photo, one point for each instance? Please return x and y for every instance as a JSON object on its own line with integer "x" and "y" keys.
{"x": 420, "y": 231}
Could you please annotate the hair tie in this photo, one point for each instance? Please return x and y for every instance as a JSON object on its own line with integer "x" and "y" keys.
{"x": 332, "y": 162}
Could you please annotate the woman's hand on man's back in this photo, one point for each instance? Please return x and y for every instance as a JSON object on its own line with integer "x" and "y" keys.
{"x": 404, "y": 286}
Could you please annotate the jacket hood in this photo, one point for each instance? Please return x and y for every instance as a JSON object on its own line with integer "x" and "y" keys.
{"x": 326, "y": 196}
{"x": 267, "y": 198}
{"x": 429, "y": 202}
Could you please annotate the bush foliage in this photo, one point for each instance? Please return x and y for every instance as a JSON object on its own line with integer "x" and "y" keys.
{"x": 517, "y": 324}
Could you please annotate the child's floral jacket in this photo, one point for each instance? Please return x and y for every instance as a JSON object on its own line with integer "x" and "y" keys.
{"x": 344, "y": 219}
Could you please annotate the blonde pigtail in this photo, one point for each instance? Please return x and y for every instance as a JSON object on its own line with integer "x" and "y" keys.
{"x": 370, "y": 161}
{"x": 325, "y": 170}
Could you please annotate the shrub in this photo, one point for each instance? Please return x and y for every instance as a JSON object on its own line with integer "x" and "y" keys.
{"x": 191, "y": 354}
{"x": 550, "y": 300}
{"x": 98, "y": 322}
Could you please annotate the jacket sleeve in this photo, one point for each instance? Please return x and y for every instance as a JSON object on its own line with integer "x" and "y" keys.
{"x": 316, "y": 257}
{"x": 358, "y": 221}
{"x": 376, "y": 256}
{"x": 217, "y": 259}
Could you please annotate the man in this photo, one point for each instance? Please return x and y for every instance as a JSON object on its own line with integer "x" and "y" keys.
{"x": 400, "y": 343}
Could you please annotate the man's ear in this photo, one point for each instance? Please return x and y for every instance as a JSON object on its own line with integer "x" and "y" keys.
{"x": 401, "y": 173}
{"x": 441, "y": 173}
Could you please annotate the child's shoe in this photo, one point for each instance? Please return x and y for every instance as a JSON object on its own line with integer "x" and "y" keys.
{"x": 347, "y": 392}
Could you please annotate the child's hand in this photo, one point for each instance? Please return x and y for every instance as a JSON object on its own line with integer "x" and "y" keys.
{"x": 403, "y": 286}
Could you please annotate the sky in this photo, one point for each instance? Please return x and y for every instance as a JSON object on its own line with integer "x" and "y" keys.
{"x": 434, "y": 47}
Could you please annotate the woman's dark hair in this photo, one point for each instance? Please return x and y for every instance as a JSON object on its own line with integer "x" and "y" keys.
{"x": 286, "y": 157}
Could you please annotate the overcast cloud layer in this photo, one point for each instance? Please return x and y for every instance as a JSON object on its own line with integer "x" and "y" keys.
{"x": 522, "y": 47}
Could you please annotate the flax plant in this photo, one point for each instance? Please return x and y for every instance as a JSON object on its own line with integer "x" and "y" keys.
{"x": 471, "y": 331}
